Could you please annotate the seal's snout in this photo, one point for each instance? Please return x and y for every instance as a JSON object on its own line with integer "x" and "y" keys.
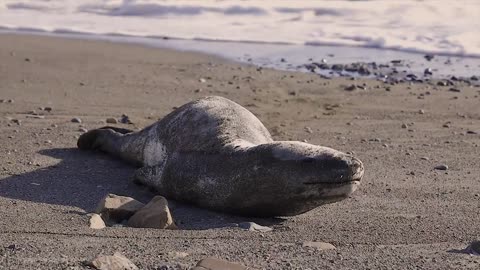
{"x": 356, "y": 168}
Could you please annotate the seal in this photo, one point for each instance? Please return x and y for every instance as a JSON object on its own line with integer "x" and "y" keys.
{"x": 215, "y": 154}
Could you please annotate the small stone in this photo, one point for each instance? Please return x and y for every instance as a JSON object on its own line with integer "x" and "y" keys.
{"x": 421, "y": 111}
{"x": 471, "y": 132}
{"x": 76, "y": 120}
{"x": 319, "y": 245}
{"x": 424, "y": 158}
{"x": 114, "y": 208}
{"x": 153, "y": 215}
{"x": 252, "y": 226}
{"x": 111, "y": 120}
{"x": 115, "y": 262}
{"x": 351, "y": 87}
{"x": 17, "y": 121}
{"x": 429, "y": 57}
{"x": 404, "y": 126}
{"x": 202, "y": 80}
{"x": 428, "y": 71}
{"x": 83, "y": 130}
{"x": 441, "y": 167}
{"x": 10, "y": 101}
{"x": 125, "y": 119}
{"x": 48, "y": 141}
{"x": 198, "y": 90}
{"x": 36, "y": 116}
{"x": 216, "y": 264}
{"x": 96, "y": 222}
{"x": 308, "y": 130}
{"x": 456, "y": 90}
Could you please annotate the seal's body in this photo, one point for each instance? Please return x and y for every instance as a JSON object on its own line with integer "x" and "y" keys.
{"x": 216, "y": 154}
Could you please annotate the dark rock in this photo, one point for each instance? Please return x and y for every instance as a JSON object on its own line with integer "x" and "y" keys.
{"x": 76, "y": 120}
{"x": 351, "y": 87}
{"x": 454, "y": 90}
{"x": 428, "y": 71}
{"x": 337, "y": 67}
{"x": 125, "y": 119}
{"x": 429, "y": 57}
{"x": 441, "y": 167}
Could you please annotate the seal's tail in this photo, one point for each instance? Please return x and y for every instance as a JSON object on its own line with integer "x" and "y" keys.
{"x": 118, "y": 142}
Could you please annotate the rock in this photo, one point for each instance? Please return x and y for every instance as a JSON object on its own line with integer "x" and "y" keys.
{"x": 96, "y": 222}
{"x": 427, "y": 71}
{"x": 474, "y": 248}
{"x": 202, "y": 80}
{"x": 83, "y": 130}
{"x": 471, "y": 132}
{"x": 404, "y": 126}
{"x": 351, "y": 87}
{"x": 114, "y": 208}
{"x": 76, "y": 120}
{"x": 319, "y": 245}
{"x": 441, "y": 167}
{"x": 252, "y": 226}
{"x": 308, "y": 130}
{"x": 115, "y": 262}
{"x": 337, "y": 67}
{"x": 17, "y": 121}
{"x": 421, "y": 111}
{"x": 111, "y": 120}
{"x": 125, "y": 119}
{"x": 456, "y": 90}
{"x": 153, "y": 215}
{"x": 429, "y": 57}
{"x": 10, "y": 101}
{"x": 216, "y": 264}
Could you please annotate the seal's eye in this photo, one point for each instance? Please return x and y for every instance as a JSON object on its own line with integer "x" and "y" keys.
{"x": 308, "y": 160}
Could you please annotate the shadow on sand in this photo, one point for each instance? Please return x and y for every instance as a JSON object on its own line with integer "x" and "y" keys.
{"x": 81, "y": 179}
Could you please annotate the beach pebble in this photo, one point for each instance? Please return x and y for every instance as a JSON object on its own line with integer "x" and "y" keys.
{"x": 441, "y": 167}
{"x": 404, "y": 126}
{"x": 471, "y": 132}
{"x": 252, "y": 226}
{"x": 96, "y": 222}
{"x": 111, "y": 120}
{"x": 114, "y": 208}
{"x": 456, "y": 90}
{"x": 155, "y": 214}
{"x": 428, "y": 71}
{"x": 319, "y": 245}
{"x": 202, "y": 80}
{"x": 10, "y": 101}
{"x": 308, "y": 130}
{"x": 217, "y": 264}
{"x": 76, "y": 120}
{"x": 351, "y": 87}
{"x": 16, "y": 121}
{"x": 115, "y": 262}
{"x": 125, "y": 119}
{"x": 422, "y": 111}
{"x": 83, "y": 130}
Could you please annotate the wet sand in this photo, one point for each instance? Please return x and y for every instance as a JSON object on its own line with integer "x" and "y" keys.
{"x": 405, "y": 215}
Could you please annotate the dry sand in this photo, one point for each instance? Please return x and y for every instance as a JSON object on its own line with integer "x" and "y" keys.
{"x": 406, "y": 215}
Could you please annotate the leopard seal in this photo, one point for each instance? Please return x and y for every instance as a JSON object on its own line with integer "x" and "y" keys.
{"x": 215, "y": 154}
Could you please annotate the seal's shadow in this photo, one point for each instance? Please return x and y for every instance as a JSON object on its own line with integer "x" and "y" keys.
{"x": 82, "y": 178}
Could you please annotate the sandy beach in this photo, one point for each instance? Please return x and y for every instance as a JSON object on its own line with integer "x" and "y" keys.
{"x": 406, "y": 214}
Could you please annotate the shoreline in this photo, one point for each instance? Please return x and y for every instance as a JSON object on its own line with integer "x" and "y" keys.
{"x": 294, "y": 57}
{"x": 405, "y": 212}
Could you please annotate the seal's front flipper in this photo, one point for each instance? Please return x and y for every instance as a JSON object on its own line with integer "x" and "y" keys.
{"x": 150, "y": 176}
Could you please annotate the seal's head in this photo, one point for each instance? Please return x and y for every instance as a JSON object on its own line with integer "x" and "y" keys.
{"x": 294, "y": 177}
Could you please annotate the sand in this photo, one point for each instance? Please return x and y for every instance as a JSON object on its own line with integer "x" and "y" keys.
{"x": 406, "y": 214}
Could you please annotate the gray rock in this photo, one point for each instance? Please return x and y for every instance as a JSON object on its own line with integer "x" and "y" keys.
{"x": 96, "y": 222}
{"x": 112, "y": 120}
{"x": 114, "y": 208}
{"x": 216, "y": 264}
{"x": 155, "y": 214}
{"x": 441, "y": 167}
{"x": 115, "y": 262}
{"x": 76, "y": 120}
{"x": 252, "y": 226}
{"x": 319, "y": 245}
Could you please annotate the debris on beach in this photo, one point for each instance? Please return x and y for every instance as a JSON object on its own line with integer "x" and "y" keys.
{"x": 155, "y": 214}
{"x": 115, "y": 262}
{"x": 217, "y": 264}
{"x": 111, "y": 120}
{"x": 114, "y": 209}
{"x": 76, "y": 120}
{"x": 96, "y": 222}
{"x": 441, "y": 167}
{"x": 318, "y": 245}
{"x": 252, "y": 226}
